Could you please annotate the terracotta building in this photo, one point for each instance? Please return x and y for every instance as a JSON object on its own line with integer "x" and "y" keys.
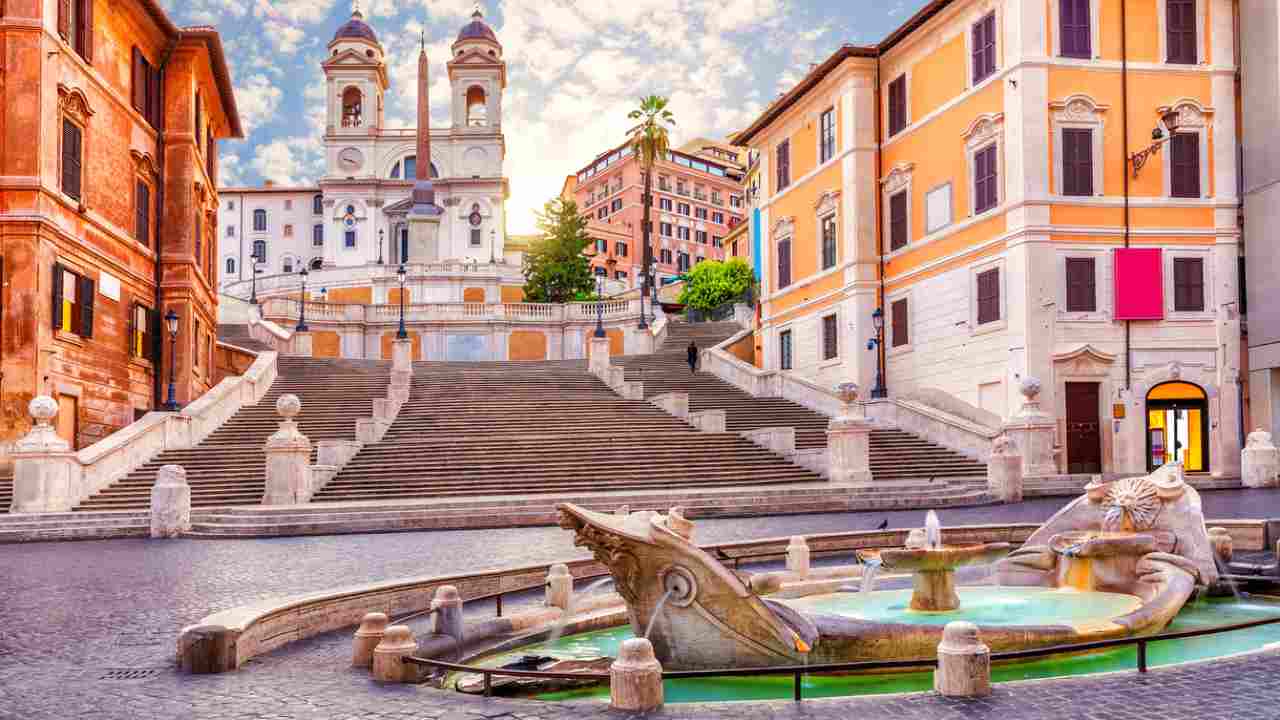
{"x": 1023, "y": 191}
{"x": 108, "y": 201}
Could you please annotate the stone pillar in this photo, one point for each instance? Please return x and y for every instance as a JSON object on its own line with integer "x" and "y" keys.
{"x": 1031, "y": 432}
{"x": 401, "y": 381}
{"x": 849, "y": 441}
{"x": 1223, "y": 546}
{"x": 367, "y": 638}
{"x": 1004, "y": 472}
{"x": 635, "y": 678}
{"x": 708, "y": 420}
{"x": 599, "y": 358}
{"x": 1260, "y": 461}
{"x": 388, "y": 665}
{"x": 798, "y": 556}
{"x": 46, "y": 473}
{"x": 301, "y": 344}
{"x": 170, "y": 503}
{"x": 964, "y": 663}
{"x": 449, "y": 620}
{"x": 288, "y": 458}
{"x": 559, "y": 587}
{"x": 402, "y": 355}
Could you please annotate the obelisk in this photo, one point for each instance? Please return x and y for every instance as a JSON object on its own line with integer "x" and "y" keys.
{"x": 424, "y": 218}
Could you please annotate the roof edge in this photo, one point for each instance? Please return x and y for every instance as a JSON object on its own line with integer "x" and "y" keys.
{"x": 221, "y": 72}
{"x": 806, "y": 83}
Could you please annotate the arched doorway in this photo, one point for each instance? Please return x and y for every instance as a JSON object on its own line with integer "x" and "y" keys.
{"x": 1178, "y": 426}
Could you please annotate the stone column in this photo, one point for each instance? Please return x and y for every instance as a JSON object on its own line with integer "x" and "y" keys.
{"x": 367, "y": 638}
{"x": 388, "y": 657}
{"x": 288, "y": 458}
{"x": 402, "y": 355}
{"x": 301, "y": 344}
{"x": 170, "y": 503}
{"x": 849, "y": 441}
{"x": 964, "y": 663}
{"x": 635, "y": 678}
{"x": 1004, "y": 472}
{"x": 1031, "y": 432}
{"x": 449, "y": 620}
{"x": 401, "y": 381}
{"x": 559, "y": 587}
{"x": 1259, "y": 461}
{"x": 798, "y": 556}
{"x": 599, "y": 360}
{"x": 46, "y": 473}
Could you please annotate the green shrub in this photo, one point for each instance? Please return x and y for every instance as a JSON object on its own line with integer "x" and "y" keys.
{"x": 713, "y": 283}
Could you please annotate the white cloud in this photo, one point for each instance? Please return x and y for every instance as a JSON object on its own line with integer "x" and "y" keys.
{"x": 230, "y": 171}
{"x": 257, "y": 100}
{"x": 298, "y": 11}
{"x": 285, "y": 38}
{"x": 290, "y": 160}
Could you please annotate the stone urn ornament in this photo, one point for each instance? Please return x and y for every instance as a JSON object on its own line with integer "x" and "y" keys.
{"x": 848, "y": 394}
{"x": 42, "y": 437}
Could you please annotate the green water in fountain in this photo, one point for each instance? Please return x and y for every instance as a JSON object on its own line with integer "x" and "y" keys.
{"x": 980, "y": 605}
{"x": 1197, "y": 615}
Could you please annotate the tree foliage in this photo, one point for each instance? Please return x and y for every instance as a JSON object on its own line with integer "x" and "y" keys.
{"x": 555, "y": 269}
{"x": 713, "y": 283}
{"x": 650, "y": 139}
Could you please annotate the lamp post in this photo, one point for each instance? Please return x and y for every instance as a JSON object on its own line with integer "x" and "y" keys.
{"x": 302, "y": 303}
{"x": 253, "y": 296}
{"x": 171, "y": 323}
{"x": 1158, "y": 138}
{"x": 401, "y": 334}
{"x": 877, "y": 343}
{"x": 493, "y": 240}
{"x": 381, "y": 237}
{"x": 599, "y": 307}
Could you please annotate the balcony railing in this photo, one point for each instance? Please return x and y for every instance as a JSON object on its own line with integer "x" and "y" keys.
{"x": 319, "y": 312}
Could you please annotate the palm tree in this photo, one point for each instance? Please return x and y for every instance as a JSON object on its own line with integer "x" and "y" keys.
{"x": 650, "y": 142}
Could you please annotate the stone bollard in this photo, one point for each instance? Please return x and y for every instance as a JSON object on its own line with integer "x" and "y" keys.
{"x": 849, "y": 441}
{"x": 559, "y": 587}
{"x": 798, "y": 556}
{"x": 388, "y": 657}
{"x": 170, "y": 503}
{"x": 635, "y": 678}
{"x": 1260, "y": 461}
{"x": 1004, "y": 472}
{"x": 598, "y": 363}
{"x": 46, "y": 473}
{"x": 367, "y": 638}
{"x": 964, "y": 663}
{"x": 206, "y": 650}
{"x": 1222, "y": 544}
{"x": 402, "y": 355}
{"x": 1032, "y": 431}
{"x": 449, "y": 620}
{"x": 288, "y": 458}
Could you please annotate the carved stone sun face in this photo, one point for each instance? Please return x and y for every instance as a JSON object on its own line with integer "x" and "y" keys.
{"x": 1132, "y": 505}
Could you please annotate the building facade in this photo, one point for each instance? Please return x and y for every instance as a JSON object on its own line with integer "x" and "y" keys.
{"x": 108, "y": 154}
{"x": 359, "y": 213}
{"x": 986, "y": 178}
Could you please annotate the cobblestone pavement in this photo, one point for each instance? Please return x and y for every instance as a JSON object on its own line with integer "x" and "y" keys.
{"x": 76, "y": 617}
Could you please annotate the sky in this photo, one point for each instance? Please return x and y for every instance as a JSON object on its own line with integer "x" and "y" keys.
{"x": 575, "y": 68}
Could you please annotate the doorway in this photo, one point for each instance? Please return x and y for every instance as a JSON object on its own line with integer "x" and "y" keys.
{"x": 67, "y": 424}
{"x": 1178, "y": 426}
{"x": 1084, "y": 428}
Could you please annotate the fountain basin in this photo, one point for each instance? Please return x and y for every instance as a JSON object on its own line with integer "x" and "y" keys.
{"x": 933, "y": 570}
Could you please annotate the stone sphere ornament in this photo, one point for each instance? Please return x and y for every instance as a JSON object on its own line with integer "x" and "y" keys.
{"x": 43, "y": 409}
{"x": 1030, "y": 388}
{"x": 288, "y": 406}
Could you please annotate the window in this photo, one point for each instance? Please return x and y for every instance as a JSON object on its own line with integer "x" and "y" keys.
{"x": 784, "y": 263}
{"x": 620, "y": 248}
{"x": 937, "y": 204}
{"x": 195, "y": 344}
{"x": 600, "y": 271}
{"x": 72, "y": 149}
{"x": 231, "y": 231}
{"x": 664, "y": 229}
{"x": 664, "y": 204}
{"x": 700, "y": 260}
{"x": 144, "y": 336}
{"x": 317, "y": 263}
{"x": 231, "y": 266}
{"x": 602, "y": 212}
{"x": 984, "y": 48}
{"x": 475, "y": 237}
{"x": 666, "y": 256}
{"x": 349, "y": 238}
{"x": 142, "y": 212}
{"x": 683, "y": 209}
{"x": 985, "y": 193}
{"x": 899, "y": 332}
{"x": 75, "y": 25}
{"x": 717, "y": 218}
{"x": 1180, "y": 31}
{"x": 146, "y": 88}
{"x": 1073, "y": 28}
{"x": 288, "y": 205}
{"x": 616, "y": 205}
{"x": 830, "y": 338}
{"x": 260, "y": 220}
{"x": 783, "y": 155}
{"x": 700, "y": 213}
{"x": 784, "y": 350}
{"x": 717, "y": 241}
{"x": 988, "y": 296}
{"x": 317, "y": 205}
{"x": 288, "y": 230}
{"x": 317, "y": 236}
{"x": 898, "y": 221}
{"x": 72, "y": 302}
{"x": 682, "y": 261}
{"x": 735, "y": 201}
{"x": 231, "y": 204}
{"x": 682, "y": 233}
{"x": 260, "y": 250}
{"x": 619, "y": 275}
{"x": 897, "y": 105}
{"x": 1184, "y": 168}
{"x": 715, "y": 198}
{"x": 700, "y": 236}
{"x": 351, "y": 108}
{"x": 1077, "y": 161}
{"x": 827, "y": 149}
{"x": 828, "y": 242}
{"x": 287, "y": 265}
{"x": 1188, "y": 284}
{"x": 602, "y": 246}
{"x": 1081, "y": 285}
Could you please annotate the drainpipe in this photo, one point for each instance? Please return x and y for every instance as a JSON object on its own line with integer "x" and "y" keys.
{"x": 883, "y": 356}
{"x": 157, "y": 379}
{"x": 1124, "y": 119}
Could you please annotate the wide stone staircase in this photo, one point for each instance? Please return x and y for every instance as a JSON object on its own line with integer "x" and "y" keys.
{"x": 897, "y": 457}
{"x": 229, "y": 466}
{"x": 240, "y": 336}
{"x": 6, "y": 490}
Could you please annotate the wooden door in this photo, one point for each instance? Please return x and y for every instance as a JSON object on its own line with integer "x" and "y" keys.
{"x": 68, "y": 419}
{"x": 1084, "y": 428}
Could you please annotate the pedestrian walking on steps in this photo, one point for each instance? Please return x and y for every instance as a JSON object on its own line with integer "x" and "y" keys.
{"x": 693, "y": 356}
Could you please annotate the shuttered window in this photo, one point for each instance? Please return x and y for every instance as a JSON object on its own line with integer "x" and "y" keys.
{"x": 72, "y": 302}
{"x": 144, "y": 333}
{"x": 897, "y": 105}
{"x": 828, "y": 141}
{"x": 1077, "y": 161}
{"x": 1180, "y": 31}
{"x": 784, "y": 263}
{"x": 1188, "y": 284}
{"x": 898, "y": 323}
{"x": 75, "y": 25}
{"x": 985, "y": 176}
{"x": 1081, "y": 285}
{"x": 898, "y": 221}
{"x": 784, "y": 165}
{"x": 142, "y": 213}
{"x": 828, "y": 242}
{"x": 988, "y": 296}
{"x": 146, "y": 88}
{"x": 72, "y": 152}
{"x": 984, "y": 48}
{"x": 1073, "y": 27}
{"x": 1184, "y": 168}
{"x": 830, "y": 338}
{"x": 784, "y": 349}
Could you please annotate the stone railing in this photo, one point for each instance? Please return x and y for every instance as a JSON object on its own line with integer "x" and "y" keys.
{"x": 370, "y": 274}
{"x": 286, "y": 309}
{"x": 935, "y": 425}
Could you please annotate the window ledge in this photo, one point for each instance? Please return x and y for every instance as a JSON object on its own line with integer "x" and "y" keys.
{"x": 142, "y": 363}
{"x": 830, "y": 363}
{"x": 991, "y": 327}
{"x": 900, "y": 350}
{"x": 1084, "y": 317}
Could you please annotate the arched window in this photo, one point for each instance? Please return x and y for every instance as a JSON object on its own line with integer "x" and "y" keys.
{"x": 477, "y": 111}
{"x": 410, "y": 169}
{"x": 317, "y": 263}
{"x": 286, "y": 265}
{"x": 260, "y": 250}
{"x": 260, "y": 220}
{"x": 231, "y": 266}
{"x": 352, "y": 113}
{"x": 317, "y": 205}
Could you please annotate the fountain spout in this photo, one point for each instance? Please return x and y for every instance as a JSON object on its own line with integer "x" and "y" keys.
{"x": 932, "y": 531}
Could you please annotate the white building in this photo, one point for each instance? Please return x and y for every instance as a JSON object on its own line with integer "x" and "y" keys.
{"x": 358, "y": 214}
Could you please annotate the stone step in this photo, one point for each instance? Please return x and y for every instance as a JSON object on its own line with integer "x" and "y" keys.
{"x": 43, "y": 527}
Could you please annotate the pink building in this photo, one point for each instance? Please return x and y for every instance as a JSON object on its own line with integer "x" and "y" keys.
{"x": 697, "y": 201}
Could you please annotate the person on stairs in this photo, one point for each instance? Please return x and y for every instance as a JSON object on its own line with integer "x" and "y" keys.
{"x": 693, "y": 357}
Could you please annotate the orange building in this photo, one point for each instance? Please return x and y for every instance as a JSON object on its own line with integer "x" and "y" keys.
{"x": 108, "y": 201}
{"x": 986, "y": 177}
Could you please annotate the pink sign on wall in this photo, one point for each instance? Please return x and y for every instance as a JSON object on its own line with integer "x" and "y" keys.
{"x": 1139, "y": 284}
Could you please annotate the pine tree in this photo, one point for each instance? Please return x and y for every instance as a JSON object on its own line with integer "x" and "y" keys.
{"x": 555, "y": 268}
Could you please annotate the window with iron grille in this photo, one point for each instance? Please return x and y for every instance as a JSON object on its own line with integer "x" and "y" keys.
{"x": 828, "y": 142}
{"x": 828, "y": 242}
{"x": 1077, "y": 161}
{"x": 899, "y": 332}
{"x": 784, "y": 263}
{"x": 1188, "y": 284}
{"x": 897, "y": 105}
{"x": 984, "y": 48}
{"x": 830, "y": 338}
{"x": 1180, "y": 31}
{"x": 988, "y": 296}
{"x": 1184, "y": 167}
{"x": 784, "y": 349}
{"x": 1074, "y": 34}
{"x": 898, "y": 220}
{"x": 1081, "y": 285}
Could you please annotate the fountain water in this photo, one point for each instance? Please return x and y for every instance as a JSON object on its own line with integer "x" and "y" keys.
{"x": 558, "y": 629}
{"x": 657, "y": 610}
{"x": 870, "y": 571}
{"x": 932, "y": 531}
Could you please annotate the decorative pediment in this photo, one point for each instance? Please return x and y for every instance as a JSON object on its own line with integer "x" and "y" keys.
{"x": 1191, "y": 114}
{"x": 1084, "y": 360}
{"x": 1078, "y": 108}
{"x": 474, "y": 57}
{"x": 984, "y": 127}
{"x": 74, "y": 103}
{"x": 145, "y": 165}
{"x": 783, "y": 227}
{"x": 897, "y": 178}
{"x": 349, "y": 58}
{"x": 827, "y": 202}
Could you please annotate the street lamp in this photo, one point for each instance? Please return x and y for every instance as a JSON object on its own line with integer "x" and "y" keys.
{"x": 381, "y": 238}
{"x": 1158, "y": 138}
{"x": 302, "y": 303}
{"x": 402, "y": 334}
{"x": 171, "y": 323}
{"x": 599, "y": 307}
{"x": 877, "y": 343}
{"x": 253, "y": 297}
{"x": 493, "y": 239}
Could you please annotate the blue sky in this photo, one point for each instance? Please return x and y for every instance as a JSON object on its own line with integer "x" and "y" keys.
{"x": 575, "y": 67}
